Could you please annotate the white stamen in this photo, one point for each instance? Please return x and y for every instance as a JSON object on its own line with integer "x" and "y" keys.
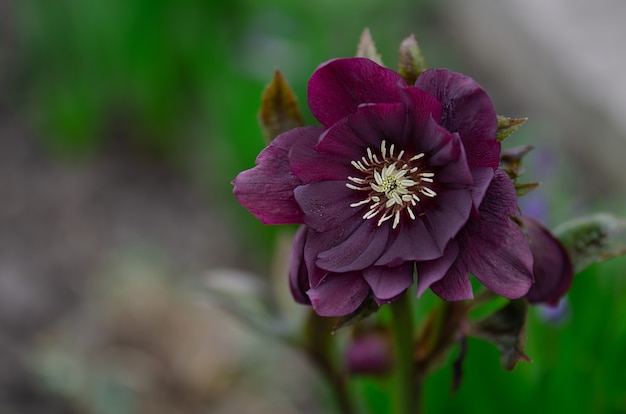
{"x": 392, "y": 184}
{"x": 360, "y": 203}
{"x": 396, "y": 219}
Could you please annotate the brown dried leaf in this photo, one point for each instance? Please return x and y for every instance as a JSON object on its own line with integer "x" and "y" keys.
{"x": 279, "y": 108}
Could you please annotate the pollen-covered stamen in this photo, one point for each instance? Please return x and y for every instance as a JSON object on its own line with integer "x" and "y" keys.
{"x": 392, "y": 182}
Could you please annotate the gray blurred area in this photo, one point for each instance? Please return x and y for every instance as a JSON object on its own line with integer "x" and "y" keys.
{"x": 62, "y": 223}
{"x": 562, "y": 60}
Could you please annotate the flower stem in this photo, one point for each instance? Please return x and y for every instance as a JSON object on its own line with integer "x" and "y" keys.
{"x": 405, "y": 393}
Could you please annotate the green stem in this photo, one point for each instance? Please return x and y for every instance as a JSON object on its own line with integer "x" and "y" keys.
{"x": 406, "y": 395}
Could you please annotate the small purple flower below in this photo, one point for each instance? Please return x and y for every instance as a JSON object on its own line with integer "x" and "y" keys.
{"x": 399, "y": 178}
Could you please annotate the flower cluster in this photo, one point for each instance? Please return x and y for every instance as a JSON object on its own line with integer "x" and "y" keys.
{"x": 398, "y": 180}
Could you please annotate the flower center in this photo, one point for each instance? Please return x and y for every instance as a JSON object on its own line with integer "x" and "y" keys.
{"x": 392, "y": 182}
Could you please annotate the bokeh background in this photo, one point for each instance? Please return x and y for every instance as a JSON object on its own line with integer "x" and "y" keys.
{"x": 122, "y": 123}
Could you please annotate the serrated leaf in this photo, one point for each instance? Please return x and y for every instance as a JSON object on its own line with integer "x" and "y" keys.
{"x": 506, "y": 329}
{"x": 279, "y": 108}
{"x": 593, "y": 239}
{"x": 367, "y": 49}
{"x": 525, "y": 188}
{"x": 506, "y": 126}
{"x": 411, "y": 62}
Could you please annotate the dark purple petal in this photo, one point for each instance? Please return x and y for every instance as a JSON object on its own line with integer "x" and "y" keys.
{"x": 339, "y": 294}
{"x": 494, "y": 247}
{"x": 432, "y": 271}
{"x": 482, "y": 179}
{"x": 326, "y": 204}
{"x": 337, "y": 87}
{"x": 448, "y": 214}
{"x": 467, "y": 109}
{"x": 422, "y": 106}
{"x": 455, "y": 169}
{"x": 389, "y": 282}
{"x": 267, "y": 189}
{"x": 317, "y": 242}
{"x": 431, "y": 139}
{"x": 310, "y": 165}
{"x": 552, "y": 266}
{"x": 482, "y": 153}
{"x": 455, "y": 285}
{"x": 359, "y": 251}
{"x": 412, "y": 241}
{"x": 298, "y": 275}
{"x": 366, "y": 128}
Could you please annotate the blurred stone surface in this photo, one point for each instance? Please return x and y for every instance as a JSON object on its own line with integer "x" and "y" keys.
{"x": 562, "y": 59}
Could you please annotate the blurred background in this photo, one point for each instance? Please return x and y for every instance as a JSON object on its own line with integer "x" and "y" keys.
{"x": 122, "y": 123}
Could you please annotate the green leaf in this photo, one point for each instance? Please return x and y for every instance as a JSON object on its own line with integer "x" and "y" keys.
{"x": 592, "y": 239}
{"x": 279, "y": 108}
{"x": 506, "y": 126}
{"x": 367, "y": 48}
{"x": 506, "y": 328}
{"x": 411, "y": 62}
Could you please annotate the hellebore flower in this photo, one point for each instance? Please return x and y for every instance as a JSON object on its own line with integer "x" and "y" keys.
{"x": 552, "y": 266}
{"x": 369, "y": 354}
{"x": 397, "y": 178}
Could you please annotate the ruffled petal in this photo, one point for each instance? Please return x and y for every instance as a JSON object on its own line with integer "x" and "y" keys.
{"x": 339, "y": 294}
{"x": 388, "y": 282}
{"x": 422, "y": 106}
{"x": 359, "y": 251}
{"x": 494, "y": 247}
{"x": 432, "y": 271}
{"x": 339, "y": 86}
{"x": 326, "y": 204}
{"x": 267, "y": 189}
{"x": 411, "y": 242}
{"x": 366, "y": 128}
{"x": 310, "y": 165}
{"x": 482, "y": 153}
{"x": 552, "y": 266}
{"x": 467, "y": 109}
{"x": 447, "y": 215}
{"x": 455, "y": 285}
{"x": 298, "y": 275}
{"x": 317, "y": 242}
{"x": 482, "y": 179}
{"x": 454, "y": 168}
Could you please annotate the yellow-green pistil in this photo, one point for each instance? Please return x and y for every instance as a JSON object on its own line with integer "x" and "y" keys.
{"x": 393, "y": 183}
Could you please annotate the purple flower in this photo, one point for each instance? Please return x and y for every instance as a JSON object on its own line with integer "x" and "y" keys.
{"x": 369, "y": 353}
{"x": 397, "y": 178}
{"x": 552, "y": 266}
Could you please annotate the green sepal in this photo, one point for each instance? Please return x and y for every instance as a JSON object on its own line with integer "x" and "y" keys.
{"x": 511, "y": 161}
{"x": 411, "y": 62}
{"x": 367, "y": 308}
{"x": 592, "y": 239}
{"x": 279, "y": 108}
{"x": 367, "y": 49}
{"x": 506, "y": 126}
{"x": 506, "y": 329}
{"x": 525, "y": 188}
